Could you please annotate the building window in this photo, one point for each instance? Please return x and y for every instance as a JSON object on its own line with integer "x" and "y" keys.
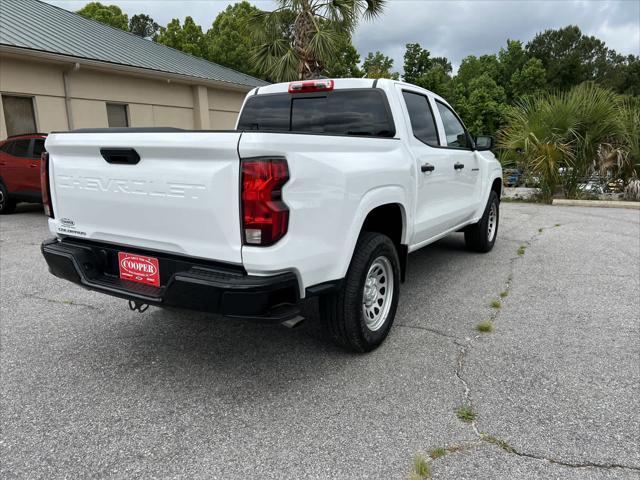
{"x": 117, "y": 115}
{"x": 19, "y": 115}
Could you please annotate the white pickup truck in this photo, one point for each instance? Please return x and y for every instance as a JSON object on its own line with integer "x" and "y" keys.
{"x": 323, "y": 189}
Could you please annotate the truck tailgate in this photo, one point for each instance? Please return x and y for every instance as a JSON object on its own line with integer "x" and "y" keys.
{"x": 180, "y": 197}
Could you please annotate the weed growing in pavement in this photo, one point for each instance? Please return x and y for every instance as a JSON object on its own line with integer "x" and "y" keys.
{"x": 496, "y": 304}
{"x": 485, "y": 326}
{"x": 438, "y": 452}
{"x": 557, "y": 225}
{"x": 499, "y": 442}
{"x": 522, "y": 249}
{"x": 421, "y": 469}
{"x": 466, "y": 414}
{"x": 504, "y": 294}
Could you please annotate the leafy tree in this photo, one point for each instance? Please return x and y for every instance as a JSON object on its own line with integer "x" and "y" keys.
{"x": 472, "y": 67}
{"x": 299, "y": 38}
{"x": 432, "y": 73}
{"x": 107, "y": 14}
{"x": 569, "y": 57}
{"x": 344, "y": 64}
{"x": 188, "y": 38}
{"x": 438, "y": 80}
{"x": 378, "y": 65}
{"x": 443, "y": 63}
{"x": 531, "y": 79}
{"x": 416, "y": 62}
{"x": 143, "y": 25}
{"x": 511, "y": 60}
{"x": 228, "y": 41}
{"x": 483, "y": 109}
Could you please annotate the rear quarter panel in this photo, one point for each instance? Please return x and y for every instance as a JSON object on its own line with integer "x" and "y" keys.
{"x": 334, "y": 183}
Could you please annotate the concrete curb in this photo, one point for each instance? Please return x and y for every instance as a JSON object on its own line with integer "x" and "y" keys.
{"x": 597, "y": 203}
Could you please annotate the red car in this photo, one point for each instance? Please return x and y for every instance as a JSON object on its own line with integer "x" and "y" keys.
{"x": 20, "y": 170}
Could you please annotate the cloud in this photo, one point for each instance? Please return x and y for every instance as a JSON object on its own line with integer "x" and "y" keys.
{"x": 455, "y": 29}
{"x": 451, "y": 28}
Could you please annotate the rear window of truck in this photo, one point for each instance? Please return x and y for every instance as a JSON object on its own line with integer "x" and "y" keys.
{"x": 340, "y": 112}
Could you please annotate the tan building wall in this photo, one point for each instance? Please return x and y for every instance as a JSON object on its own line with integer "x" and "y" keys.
{"x": 150, "y": 102}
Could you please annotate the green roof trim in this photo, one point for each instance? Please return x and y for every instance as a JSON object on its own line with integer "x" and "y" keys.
{"x": 36, "y": 25}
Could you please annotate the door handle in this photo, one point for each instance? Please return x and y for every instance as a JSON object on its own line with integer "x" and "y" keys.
{"x": 427, "y": 167}
{"x": 458, "y": 166}
{"x": 33, "y": 165}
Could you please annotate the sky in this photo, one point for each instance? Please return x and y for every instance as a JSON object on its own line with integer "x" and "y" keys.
{"x": 450, "y": 28}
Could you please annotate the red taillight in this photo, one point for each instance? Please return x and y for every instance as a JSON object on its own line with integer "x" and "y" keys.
{"x": 311, "y": 86}
{"x": 44, "y": 184}
{"x": 265, "y": 217}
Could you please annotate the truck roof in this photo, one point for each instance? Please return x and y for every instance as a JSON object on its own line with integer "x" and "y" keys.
{"x": 339, "y": 83}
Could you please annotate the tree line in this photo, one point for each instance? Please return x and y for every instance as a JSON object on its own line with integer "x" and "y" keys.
{"x": 266, "y": 45}
{"x": 563, "y": 106}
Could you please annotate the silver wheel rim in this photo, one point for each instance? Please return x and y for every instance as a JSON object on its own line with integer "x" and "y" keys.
{"x": 493, "y": 222}
{"x": 1, "y": 199}
{"x": 377, "y": 294}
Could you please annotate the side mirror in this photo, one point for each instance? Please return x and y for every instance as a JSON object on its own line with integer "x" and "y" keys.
{"x": 484, "y": 142}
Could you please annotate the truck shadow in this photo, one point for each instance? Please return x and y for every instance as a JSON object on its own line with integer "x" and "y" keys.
{"x": 210, "y": 337}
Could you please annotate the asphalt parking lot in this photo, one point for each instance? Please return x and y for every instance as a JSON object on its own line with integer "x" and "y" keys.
{"x": 92, "y": 390}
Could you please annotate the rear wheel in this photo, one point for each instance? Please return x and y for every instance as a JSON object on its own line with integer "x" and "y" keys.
{"x": 481, "y": 236}
{"x": 7, "y": 204}
{"x": 360, "y": 315}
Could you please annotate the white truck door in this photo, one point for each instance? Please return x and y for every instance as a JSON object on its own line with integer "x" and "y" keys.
{"x": 463, "y": 161}
{"x": 436, "y": 189}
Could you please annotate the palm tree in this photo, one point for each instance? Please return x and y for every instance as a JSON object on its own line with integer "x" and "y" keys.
{"x": 562, "y": 136}
{"x": 295, "y": 41}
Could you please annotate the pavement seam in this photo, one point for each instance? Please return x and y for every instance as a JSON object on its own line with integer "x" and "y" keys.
{"x": 61, "y": 302}
{"x": 468, "y": 399}
{"x": 432, "y": 330}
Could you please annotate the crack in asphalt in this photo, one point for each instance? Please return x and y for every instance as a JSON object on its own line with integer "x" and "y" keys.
{"x": 432, "y": 330}
{"x": 60, "y": 302}
{"x": 509, "y": 449}
{"x": 468, "y": 399}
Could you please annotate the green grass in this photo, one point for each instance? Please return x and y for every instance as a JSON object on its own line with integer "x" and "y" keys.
{"x": 421, "y": 469}
{"x": 485, "y": 326}
{"x": 557, "y": 225}
{"x": 466, "y": 414}
{"x": 522, "y": 249}
{"x": 435, "y": 453}
{"x": 504, "y": 294}
{"x": 540, "y": 230}
{"x": 499, "y": 442}
{"x": 496, "y": 304}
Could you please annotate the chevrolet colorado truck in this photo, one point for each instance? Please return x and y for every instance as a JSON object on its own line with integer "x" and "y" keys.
{"x": 323, "y": 189}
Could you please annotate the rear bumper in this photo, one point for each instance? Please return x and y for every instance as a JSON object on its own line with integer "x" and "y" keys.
{"x": 185, "y": 283}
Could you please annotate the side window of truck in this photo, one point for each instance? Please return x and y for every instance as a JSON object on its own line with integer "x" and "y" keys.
{"x": 422, "y": 122}
{"x": 456, "y": 134}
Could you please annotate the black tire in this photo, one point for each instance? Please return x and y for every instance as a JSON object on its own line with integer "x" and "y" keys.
{"x": 343, "y": 311}
{"x": 477, "y": 236}
{"x": 7, "y": 204}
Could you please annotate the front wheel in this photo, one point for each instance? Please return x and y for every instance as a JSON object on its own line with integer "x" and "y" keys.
{"x": 7, "y": 204}
{"x": 481, "y": 236}
{"x": 360, "y": 315}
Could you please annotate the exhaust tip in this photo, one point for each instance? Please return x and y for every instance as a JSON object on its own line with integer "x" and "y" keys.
{"x": 294, "y": 322}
